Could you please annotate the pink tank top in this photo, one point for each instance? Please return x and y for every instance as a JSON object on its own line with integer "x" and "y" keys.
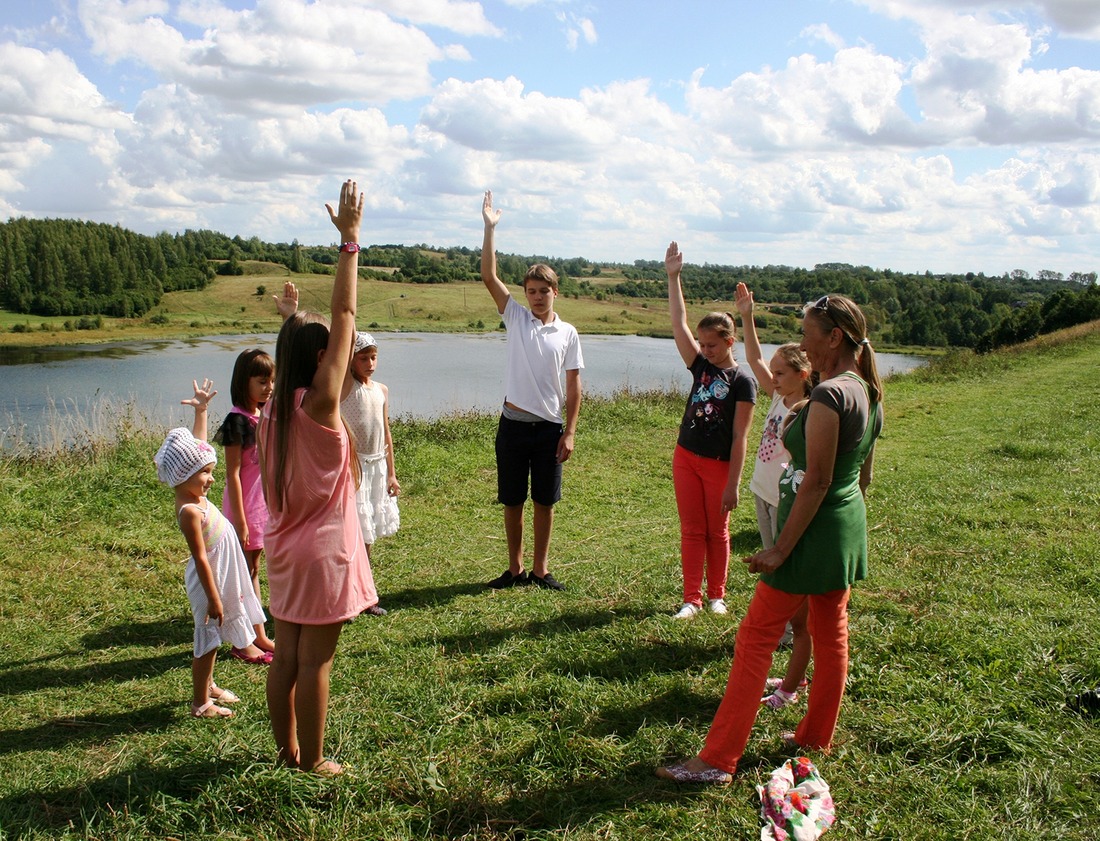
{"x": 317, "y": 567}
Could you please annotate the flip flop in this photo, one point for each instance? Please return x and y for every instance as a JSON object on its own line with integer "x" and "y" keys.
{"x": 680, "y": 774}
{"x": 210, "y": 710}
{"x": 264, "y": 658}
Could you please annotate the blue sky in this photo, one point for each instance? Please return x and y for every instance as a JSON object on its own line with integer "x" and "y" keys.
{"x": 942, "y": 135}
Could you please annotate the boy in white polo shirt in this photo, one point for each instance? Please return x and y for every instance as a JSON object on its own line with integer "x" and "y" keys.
{"x": 533, "y": 438}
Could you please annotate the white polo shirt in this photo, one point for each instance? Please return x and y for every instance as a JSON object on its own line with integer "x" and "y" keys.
{"x": 537, "y": 355}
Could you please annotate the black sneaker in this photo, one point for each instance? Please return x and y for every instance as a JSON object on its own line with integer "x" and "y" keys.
{"x": 506, "y": 579}
{"x": 1087, "y": 703}
{"x": 548, "y": 582}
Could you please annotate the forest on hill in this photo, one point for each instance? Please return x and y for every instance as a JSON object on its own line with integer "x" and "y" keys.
{"x": 57, "y": 267}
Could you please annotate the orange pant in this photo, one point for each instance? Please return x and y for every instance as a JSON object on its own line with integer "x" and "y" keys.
{"x": 704, "y": 530}
{"x": 760, "y": 630}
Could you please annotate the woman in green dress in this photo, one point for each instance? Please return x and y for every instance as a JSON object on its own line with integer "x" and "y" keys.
{"x": 821, "y": 548}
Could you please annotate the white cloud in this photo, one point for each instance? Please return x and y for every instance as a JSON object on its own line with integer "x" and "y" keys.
{"x": 465, "y": 18}
{"x": 576, "y": 29}
{"x": 823, "y": 32}
{"x": 807, "y": 105}
{"x": 282, "y": 55}
{"x": 974, "y": 82}
{"x": 1074, "y": 18}
{"x": 498, "y": 115}
{"x": 44, "y": 94}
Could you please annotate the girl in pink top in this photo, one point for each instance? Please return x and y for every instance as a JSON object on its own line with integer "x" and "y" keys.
{"x": 243, "y": 498}
{"x": 317, "y": 568}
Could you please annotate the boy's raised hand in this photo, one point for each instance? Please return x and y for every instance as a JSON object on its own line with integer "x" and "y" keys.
{"x": 490, "y": 215}
{"x": 674, "y": 260}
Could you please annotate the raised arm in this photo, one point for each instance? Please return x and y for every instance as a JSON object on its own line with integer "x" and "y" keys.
{"x": 753, "y": 354}
{"x": 677, "y": 310}
{"x": 322, "y": 403}
{"x": 489, "y": 277}
{"x": 199, "y": 402}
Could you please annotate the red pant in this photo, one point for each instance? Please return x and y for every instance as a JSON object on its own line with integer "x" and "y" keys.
{"x": 704, "y": 529}
{"x": 760, "y": 630}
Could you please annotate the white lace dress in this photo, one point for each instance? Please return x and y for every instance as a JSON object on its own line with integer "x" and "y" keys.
{"x": 362, "y": 410}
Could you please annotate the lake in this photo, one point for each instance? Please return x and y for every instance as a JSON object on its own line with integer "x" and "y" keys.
{"x": 428, "y": 374}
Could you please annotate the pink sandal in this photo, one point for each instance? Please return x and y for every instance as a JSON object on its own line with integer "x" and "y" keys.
{"x": 210, "y": 710}
{"x": 264, "y": 658}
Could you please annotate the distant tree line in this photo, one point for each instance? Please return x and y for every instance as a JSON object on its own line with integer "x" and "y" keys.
{"x": 960, "y": 310}
{"x": 69, "y": 267}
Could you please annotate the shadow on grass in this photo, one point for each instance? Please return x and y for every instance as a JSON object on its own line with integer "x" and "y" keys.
{"x": 176, "y": 629}
{"x": 599, "y": 801}
{"x": 93, "y": 728}
{"x": 648, "y": 653}
{"x": 434, "y": 596}
{"x": 483, "y": 640}
{"x": 173, "y": 630}
{"x": 677, "y": 704}
{"x": 127, "y": 792}
{"x": 645, "y": 657}
{"x": 742, "y": 543}
{"x": 34, "y": 678}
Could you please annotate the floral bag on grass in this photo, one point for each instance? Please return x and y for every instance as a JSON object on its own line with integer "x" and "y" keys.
{"x": 795, "y": 803}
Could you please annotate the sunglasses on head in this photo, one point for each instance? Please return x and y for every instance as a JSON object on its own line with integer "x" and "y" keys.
{"x": 822, "y": 306}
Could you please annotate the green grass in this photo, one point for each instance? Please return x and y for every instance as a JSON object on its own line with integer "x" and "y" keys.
{"x": 534, "y": 715}
{"x": 230, "y": 305}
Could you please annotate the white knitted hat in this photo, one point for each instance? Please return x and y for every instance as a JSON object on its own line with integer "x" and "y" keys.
{"x": 364, "y": 341}
{"x": 181, "y": 456}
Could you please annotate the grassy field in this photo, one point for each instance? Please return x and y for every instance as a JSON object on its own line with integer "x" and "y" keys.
{"x": 230, "y": 305}
{"x": 527, "y": 714}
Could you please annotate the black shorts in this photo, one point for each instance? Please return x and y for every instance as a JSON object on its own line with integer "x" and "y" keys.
{"x": 528, "y": 449}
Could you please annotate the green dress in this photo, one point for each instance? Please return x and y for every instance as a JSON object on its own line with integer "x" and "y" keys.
{"x": 832, "y": 553}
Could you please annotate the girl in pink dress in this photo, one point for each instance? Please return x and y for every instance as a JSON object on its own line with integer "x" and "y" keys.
{"x": 243, "y": 497}
{"x": 317, "y": 568}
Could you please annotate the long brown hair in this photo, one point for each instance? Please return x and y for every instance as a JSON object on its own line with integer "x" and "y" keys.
{"x": 303, "y": 336}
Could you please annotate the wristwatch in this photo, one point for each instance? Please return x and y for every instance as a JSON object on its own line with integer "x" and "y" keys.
{"x": 350, "y": 247}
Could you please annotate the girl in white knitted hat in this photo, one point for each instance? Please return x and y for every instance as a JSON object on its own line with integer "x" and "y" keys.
{"x": 219, "y": 587}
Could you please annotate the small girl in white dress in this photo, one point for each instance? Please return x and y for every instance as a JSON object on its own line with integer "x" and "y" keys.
{"x": 365, "y": 407}
{"x": 219, "y": 587}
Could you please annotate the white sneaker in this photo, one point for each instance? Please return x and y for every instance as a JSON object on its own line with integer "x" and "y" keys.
{"x": 687, "y": 611}
{"x": 718, "y": 606}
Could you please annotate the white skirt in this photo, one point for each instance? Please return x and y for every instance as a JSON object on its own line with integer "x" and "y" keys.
{"x": 378, "y": 514}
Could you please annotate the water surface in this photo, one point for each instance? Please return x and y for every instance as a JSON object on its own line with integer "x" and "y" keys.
{"x": 428, "y": 374}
